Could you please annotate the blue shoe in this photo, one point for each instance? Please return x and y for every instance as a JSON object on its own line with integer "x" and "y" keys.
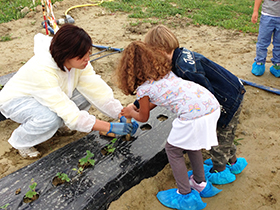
{"x": 275, "y": 70}
{"x": 258, "y": 69}
{"x": 222, "y": 177}
{"x": 205, "y": 189}
{"x": 172, "y": 199}
{"x": 238, "y": 167}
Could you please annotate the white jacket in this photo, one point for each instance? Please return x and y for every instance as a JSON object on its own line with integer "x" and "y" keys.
{"x": 42, "y": 79}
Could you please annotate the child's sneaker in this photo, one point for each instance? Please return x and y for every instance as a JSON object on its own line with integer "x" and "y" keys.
{"x": 275, "y": 70}
{"x": 205, "y": 189}
{"x": 172, "y": 199}
{"x": 29, "y": 153}
{"x": 258, "y": 69}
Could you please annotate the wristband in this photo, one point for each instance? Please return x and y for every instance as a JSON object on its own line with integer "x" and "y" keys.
{"x": 136, "y": 103}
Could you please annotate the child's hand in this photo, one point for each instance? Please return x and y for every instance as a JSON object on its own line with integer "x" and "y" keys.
{"x": 255, "y": 17}
{"x": 127, "y": 111}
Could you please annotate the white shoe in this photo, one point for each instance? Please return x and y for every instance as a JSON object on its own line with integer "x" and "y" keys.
{"x": 29, "y": 153}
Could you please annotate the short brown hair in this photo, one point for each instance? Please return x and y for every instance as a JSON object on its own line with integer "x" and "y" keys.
{"x": 162, "y": 38}
{"x": 69, "y": 42}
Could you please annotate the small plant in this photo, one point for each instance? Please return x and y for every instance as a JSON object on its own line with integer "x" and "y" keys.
{"x": 79, "y": 170}
{"x": 6, "y": 38}
{"x": 1, "y": 87}
{"x": 63, "y": 177}
{"x": 85, "y": 162}
{"x": 109, "y": 148}
{"x": 32, "y": 191}
{"x": 5, "y": 206}
{"x": 236, "y": 141}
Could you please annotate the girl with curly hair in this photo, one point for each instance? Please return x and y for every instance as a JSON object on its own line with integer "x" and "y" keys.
{"x": 145, "y": 71}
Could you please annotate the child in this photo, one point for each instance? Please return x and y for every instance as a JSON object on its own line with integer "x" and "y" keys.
{"x": 226, "y": 87}
{"x": 147, "y": 72}
{"x": 269, "y": 26}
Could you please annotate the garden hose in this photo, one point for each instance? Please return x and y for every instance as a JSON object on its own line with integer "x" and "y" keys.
{"x": 85, "y": 5}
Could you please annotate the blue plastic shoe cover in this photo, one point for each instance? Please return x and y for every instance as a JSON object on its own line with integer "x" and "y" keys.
{"x": 208, "y": 162}
{"x": 209, "y": 191}
{"x": 172, "y": 199}
{"x": 258, "y": 70}
{"x": 239, "y": 166}
{"x": 274, "y": 71}
{"x": 222, "y": 177}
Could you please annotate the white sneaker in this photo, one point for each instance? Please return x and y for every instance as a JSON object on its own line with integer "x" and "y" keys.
{"x": 29, "y": 152}
{"x": 195, "y": 186}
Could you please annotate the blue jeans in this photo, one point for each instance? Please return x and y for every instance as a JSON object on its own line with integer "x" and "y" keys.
{"x": 269, "y": 26}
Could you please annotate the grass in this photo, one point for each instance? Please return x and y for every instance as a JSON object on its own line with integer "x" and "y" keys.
{"x": 11, "y": 9}
{"x": 228, "y": 14}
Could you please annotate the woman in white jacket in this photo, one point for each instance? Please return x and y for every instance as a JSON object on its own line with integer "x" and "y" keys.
{"x": 41, "y": 96}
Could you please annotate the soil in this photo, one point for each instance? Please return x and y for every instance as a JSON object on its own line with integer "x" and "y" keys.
{"x": 257, "y": 187}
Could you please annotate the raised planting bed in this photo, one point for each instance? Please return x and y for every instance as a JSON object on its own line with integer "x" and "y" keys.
{"x": 94, "y": 187}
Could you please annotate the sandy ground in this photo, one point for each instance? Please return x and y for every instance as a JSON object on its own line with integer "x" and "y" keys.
{"x": 256, "y": 188}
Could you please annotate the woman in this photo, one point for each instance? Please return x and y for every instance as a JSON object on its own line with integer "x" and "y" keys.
{"x": 41, "y": 97}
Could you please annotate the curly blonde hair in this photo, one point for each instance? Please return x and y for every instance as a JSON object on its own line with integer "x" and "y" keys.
{"x": 140, "y": 62}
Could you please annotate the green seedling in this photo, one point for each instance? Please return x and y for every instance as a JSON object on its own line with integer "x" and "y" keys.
{"x": 79, "y": 170}
{"x": 63, "y": 176}
{"x": 5, "y": 206}
{"x": 109, "y": 148}
{"x": 85, "y": 162}
{"x": 1, "y": 87}
{"x": 236, "y": 141}
{"x": 32, "y": 191}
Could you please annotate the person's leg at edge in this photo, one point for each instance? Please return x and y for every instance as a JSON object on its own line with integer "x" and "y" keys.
{"x": 275, "y": 68}
{"x": 264, "y": 40}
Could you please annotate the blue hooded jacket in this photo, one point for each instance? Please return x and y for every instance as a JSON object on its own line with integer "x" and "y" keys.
{"x": 226, "y": 87}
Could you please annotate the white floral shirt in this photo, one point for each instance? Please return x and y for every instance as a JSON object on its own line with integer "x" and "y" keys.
{"x": 188, "y": 99}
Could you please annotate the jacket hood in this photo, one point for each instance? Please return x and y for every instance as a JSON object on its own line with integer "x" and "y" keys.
{"x": 41, "y": 50}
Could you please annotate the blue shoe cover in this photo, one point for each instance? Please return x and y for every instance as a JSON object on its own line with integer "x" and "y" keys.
{"x": 222, "y": 177}
{"x": 274, "y": 71}
{"x": 258, "y": 70}
{"x": 239, "y": 166}
{"x": 208, "y": 162}
{"x": 209, "y": 191}
{"x": 172, "y": 199}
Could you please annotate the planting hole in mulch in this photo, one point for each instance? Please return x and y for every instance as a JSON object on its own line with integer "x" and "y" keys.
{"x": 57, "y": 181}
{"x": 162, "y": 117}
{"x": 145, "y": 127}
{"x": 29, "y": 200}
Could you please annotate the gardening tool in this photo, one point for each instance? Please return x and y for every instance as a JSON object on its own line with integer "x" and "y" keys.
{"x": 269, "y": 89}
{"x": 127, "y": 137}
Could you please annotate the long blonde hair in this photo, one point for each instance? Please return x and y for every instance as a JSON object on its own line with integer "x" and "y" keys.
{"x": 140, "y": 62}
{"x": 162, "y": 38}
